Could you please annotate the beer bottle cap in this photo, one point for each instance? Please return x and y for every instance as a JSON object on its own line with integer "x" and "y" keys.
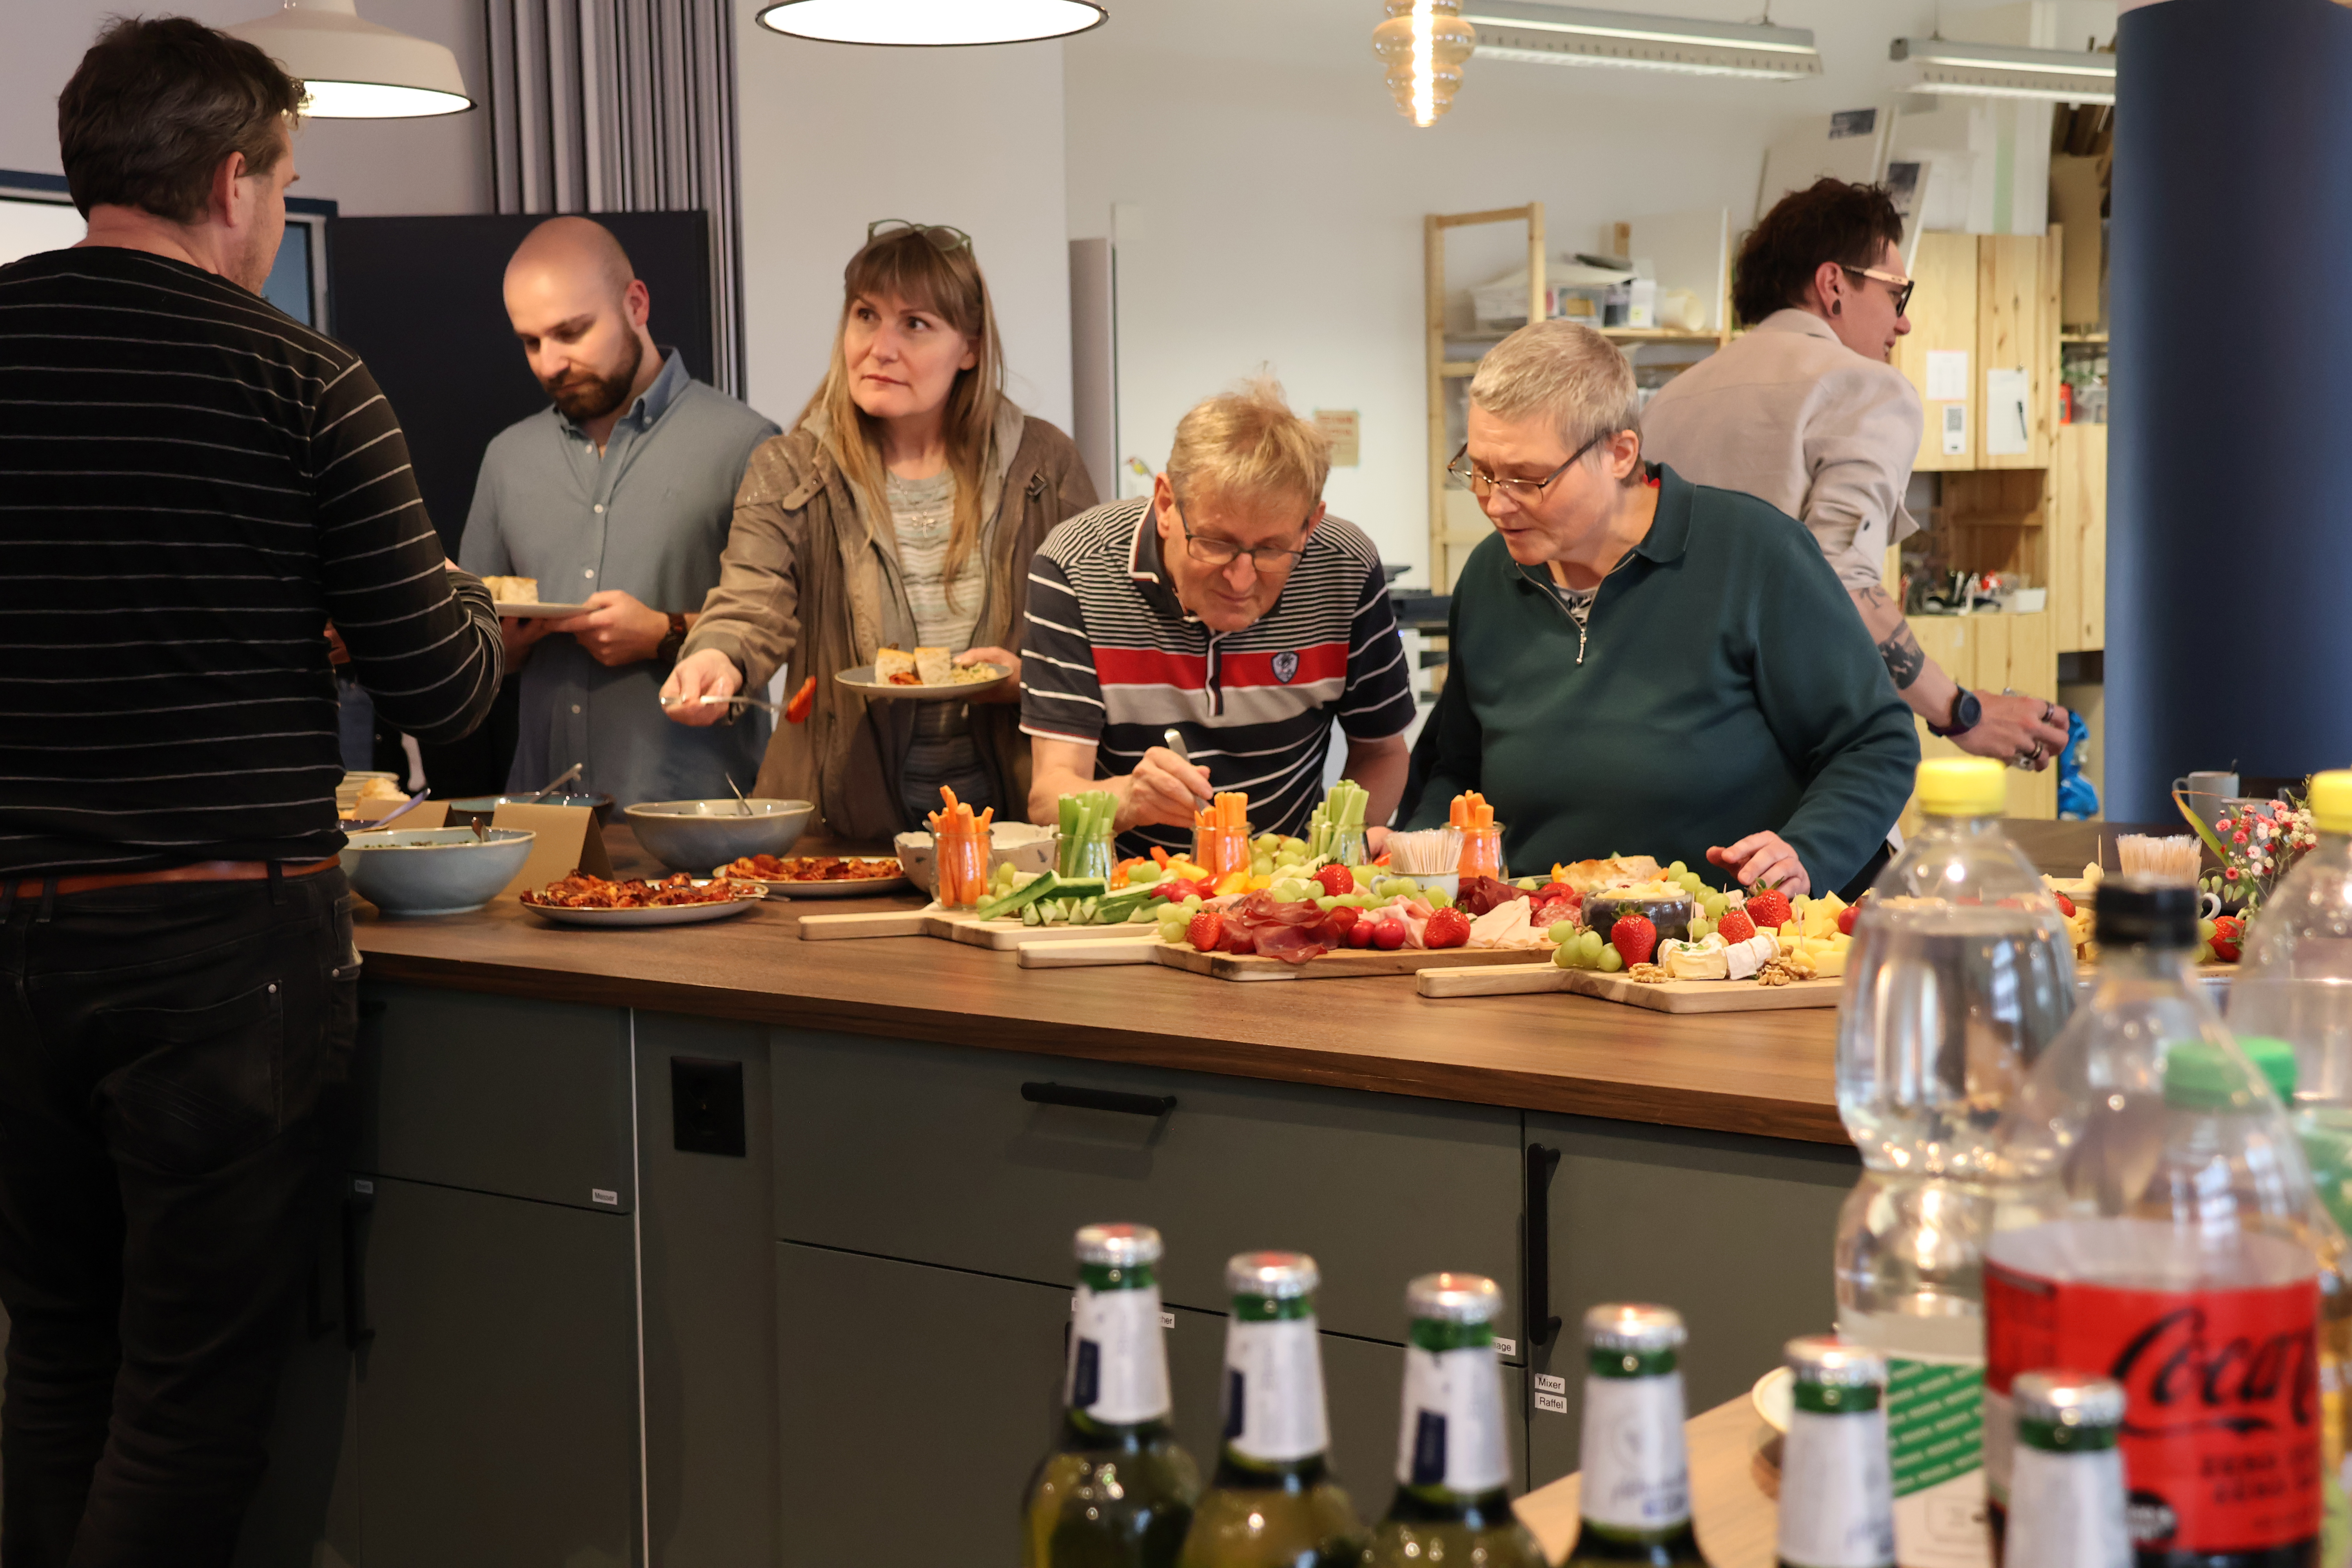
{"x": 1118, "y": 1245}
{"x": 2067, "y": 1398}
{"x": 1633, "y": 1326}
{"x": 1455, "y": 1298}
{"x": 1277, "y": 1276}
{"x": 2141, "y": 911}
{"x": 1828, "y": 1362}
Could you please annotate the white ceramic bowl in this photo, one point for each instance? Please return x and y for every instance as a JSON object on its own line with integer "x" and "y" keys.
{"x": 693, "y": 836}
{"x": 1027, "y": 845}
{"x": 433, "y": 870}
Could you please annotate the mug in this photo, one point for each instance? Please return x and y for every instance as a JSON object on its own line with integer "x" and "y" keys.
{"x": 2215, "y": 785}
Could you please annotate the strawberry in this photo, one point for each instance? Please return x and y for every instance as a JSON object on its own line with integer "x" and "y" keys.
{"x": 1337, "y": 880}
{"x": 1447, "y": 928}
{"x": 1635, "y": 938}
{"x": 1208, "y": 928}
{"x": 1734, "y": 926}
{"x": 1768, "y": 908}
{"x": 1848, "y": 915}
{"x": 2229, "y": 935}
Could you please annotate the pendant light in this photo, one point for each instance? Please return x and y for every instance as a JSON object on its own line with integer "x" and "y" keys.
{"x": 1997, "y": 70}
{"x": 1546, "y": 34}
{"x": 933, "y": 23}
{"x": 354, "y": 69}
{"x": 1425, "y": 43}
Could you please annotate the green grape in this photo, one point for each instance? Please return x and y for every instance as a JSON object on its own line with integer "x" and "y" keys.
{"x": 1565, "y": 958}
{"x": 1612, "y": 961}
{"x": 1439, "y": 898}
{"x": 1562, "y": 932}
{"x": 1677, "y": 870}
{"x": 1700, "y": 930}
{"x": 1715, "y": 904}
{"x": 1266, "y": 843}
{"x": 1326, "y": 902}
{"x": 1296, "y": 847}
{"x": 1590, "y": 943}
{"x": 2205, "y": 930}
{"x": 1288, "y": 891}
{"x": 1192, "y": 902}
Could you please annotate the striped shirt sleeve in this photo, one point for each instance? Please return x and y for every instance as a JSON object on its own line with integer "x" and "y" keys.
{"x": 1378, "y": 700}
{"x": 424, "y": 641}
{"x": 1061, "y": 695}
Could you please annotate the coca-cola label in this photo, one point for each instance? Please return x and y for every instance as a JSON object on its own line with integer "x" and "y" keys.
{"x": 2221, "y": 1427}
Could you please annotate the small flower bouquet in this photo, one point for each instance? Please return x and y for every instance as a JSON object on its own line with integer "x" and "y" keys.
{"x": 2257, "y": 842}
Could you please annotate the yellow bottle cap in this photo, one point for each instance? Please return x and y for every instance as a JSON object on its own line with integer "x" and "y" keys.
{"x": 2331, "y": 801}
{"x": 1963, "y": 786}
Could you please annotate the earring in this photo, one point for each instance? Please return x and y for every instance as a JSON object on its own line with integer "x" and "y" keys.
{"x": 1837, "y": 307}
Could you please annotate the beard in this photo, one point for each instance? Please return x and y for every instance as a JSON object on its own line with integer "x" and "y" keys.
{"x": 584, "y": 395}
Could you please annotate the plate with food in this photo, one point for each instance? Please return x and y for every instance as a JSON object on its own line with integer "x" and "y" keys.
{"x": 675, "y": 900}
{"x": 519, "y": 597}
{"x": 818, "y": 876}
{"x": 927, "y": 672}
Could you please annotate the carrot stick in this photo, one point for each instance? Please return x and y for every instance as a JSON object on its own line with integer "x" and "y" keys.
{"x": 1160, "y": 856}
{"x": 949, "y": 796}
{"x": 988, "y": 816}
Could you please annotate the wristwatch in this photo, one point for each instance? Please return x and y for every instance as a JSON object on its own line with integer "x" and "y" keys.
{"x": 674, "y": 639}
{"x": 1965, "y": 712}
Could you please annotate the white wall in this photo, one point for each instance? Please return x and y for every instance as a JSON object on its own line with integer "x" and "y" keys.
{"x": 371, "y": 167}
{"x": 835, "y": 136}
{"x": 1269, "y": 197}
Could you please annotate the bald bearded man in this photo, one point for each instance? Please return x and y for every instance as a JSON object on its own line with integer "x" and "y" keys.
{"x": 618, "y": 498}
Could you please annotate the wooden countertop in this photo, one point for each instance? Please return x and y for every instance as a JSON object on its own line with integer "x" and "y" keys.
{"x": 1734, "y": 1493}
{"x": 1768, "y": 1073}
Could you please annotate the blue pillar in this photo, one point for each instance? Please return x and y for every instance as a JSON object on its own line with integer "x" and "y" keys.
{"x": 2229, "y": 517}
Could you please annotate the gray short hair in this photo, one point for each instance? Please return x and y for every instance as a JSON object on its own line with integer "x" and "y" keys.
{"x": 1564, "y": 371}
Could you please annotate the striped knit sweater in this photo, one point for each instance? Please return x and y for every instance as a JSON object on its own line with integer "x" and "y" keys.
{"x": 192, "y": 486}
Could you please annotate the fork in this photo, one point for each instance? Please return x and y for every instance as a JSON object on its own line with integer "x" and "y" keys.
{"x": 761, "y": 704}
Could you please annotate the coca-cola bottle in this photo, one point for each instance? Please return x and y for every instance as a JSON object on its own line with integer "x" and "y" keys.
{"x": 2157, "y": 1226}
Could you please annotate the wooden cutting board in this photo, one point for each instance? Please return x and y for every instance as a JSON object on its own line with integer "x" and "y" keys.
{"x": 1083, "y": 954}
{"x": 1674, "y": 996}
{"x": 960, "y": 926}
{"x": 1349, "y": 964}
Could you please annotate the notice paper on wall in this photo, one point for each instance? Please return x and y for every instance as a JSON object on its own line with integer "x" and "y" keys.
{"x": 1341, "y": 429}
{"x": 1947, "y": 375}
{"x": 1956, "y": 429}
{"x": 2008, "y": 425}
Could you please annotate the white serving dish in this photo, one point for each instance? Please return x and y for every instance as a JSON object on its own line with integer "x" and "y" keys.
{"x": 433, "y": 870}
{"x": 693, "y": 836}
{"x": 1026, "y": 846}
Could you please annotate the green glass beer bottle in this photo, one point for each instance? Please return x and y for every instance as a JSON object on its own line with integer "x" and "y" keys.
{"x": 1636, "y": 1478}
{"x": 1837, "y": 1487}
{"x": 1273, "y": 1503}
{"x": 2066, "y": 1491}
{"x": 1116, "y": 1491}
{"x": 1452, "y": 1500}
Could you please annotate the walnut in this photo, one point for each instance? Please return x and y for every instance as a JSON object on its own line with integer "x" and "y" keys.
{"x": 1649, "y": 974}
{"x": 1785, "y": 970}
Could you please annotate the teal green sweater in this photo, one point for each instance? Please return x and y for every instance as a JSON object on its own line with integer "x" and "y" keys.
{"x": 1725, "y": 686}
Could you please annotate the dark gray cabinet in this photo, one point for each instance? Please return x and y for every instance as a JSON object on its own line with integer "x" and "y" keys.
{"x": 1733, "y": 1232}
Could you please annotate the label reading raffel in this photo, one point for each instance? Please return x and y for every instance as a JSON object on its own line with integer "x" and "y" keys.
{"x": 1935, "y": 1425}
{"x": 1637, "y": 1470}
{"x": 1274, "y": 1390}
{"x": 1118, "y": 1372}
{"x": 1453, "y": 1434}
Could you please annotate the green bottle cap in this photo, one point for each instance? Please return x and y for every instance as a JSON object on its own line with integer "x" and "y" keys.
{"x": 2274, "y": 1060}
{"x": 2199, "y": 1075}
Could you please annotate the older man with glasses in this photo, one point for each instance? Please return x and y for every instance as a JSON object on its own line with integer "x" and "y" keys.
{"x": 1228, "y": 611}
{"x": 1645, "y": 665}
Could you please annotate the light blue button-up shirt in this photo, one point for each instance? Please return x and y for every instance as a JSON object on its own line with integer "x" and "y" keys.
{"x": 648, "y": 516}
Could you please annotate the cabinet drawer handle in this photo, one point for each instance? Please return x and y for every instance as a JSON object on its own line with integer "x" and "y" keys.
{"x": 356, "y": 1331}
{"x": 1537, "y": 1321}
{"x": 1085, "y": 1098}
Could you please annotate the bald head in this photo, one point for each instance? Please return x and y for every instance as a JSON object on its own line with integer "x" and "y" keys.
{"x": 579, "y": 312}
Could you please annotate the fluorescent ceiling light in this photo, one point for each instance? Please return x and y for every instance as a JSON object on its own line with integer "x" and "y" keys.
{"x": 2001, "y": 71}
{"x": 1574, "y": 35}
{"x": 932, "y": 22}
{"x": 354, "y": 69}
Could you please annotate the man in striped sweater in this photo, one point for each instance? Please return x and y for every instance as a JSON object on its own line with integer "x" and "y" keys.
{"x": 192, "y": 487}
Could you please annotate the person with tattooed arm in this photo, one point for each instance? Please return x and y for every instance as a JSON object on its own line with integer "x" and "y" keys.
{"x": 1803, "y": 411}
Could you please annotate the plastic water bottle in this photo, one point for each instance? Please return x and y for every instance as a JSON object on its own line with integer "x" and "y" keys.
{"x": 2158, "y": 1226}
{"x": 1962, "y": 972}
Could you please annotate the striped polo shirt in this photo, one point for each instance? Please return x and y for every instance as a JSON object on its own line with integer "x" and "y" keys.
{"x": 1112, "y": 658}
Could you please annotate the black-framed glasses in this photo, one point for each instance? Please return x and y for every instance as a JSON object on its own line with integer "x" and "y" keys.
{"x": 1899, "y": 285}
{"x": 1483, "y": 484}
{"x": 1266, "y": 560}
{"x": 943, "y": 237}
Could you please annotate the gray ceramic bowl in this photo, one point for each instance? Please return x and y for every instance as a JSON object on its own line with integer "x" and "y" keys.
{"x": 481, "y": 807}
{"x": 433, "y": 870}
{"x": 1027, "y": 845}
{"x": 697, "y": 836}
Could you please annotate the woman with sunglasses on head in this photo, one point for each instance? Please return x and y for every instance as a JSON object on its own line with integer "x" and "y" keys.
{"x": 1641, "y": 665}
{"x": 901, "y": 512}
{"x": 1804, "y": 411}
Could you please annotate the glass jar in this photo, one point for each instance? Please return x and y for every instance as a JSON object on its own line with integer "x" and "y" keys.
{"x": 962, "y": 857}
{"x": 1085, "y": 854}
{"x": 1221, "y": 851}
{"x": 1482, "y": 851}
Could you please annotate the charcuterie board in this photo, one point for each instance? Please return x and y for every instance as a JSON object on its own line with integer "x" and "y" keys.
{"x": 1673, "y": 996}
{"x": 1350, "y": 963}
{"x": 961, "y": 926}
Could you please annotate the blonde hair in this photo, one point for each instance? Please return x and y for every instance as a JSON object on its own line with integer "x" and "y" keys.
{"x": 1247, "y": 442}
{"x": 1565, "y": 372}
{"x": 905, "y": 264}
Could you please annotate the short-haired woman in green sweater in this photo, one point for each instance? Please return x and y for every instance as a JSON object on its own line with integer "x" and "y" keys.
{"x": 1640, "y": 665}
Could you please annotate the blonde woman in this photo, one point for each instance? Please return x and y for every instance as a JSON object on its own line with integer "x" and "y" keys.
{"x": 902, "y": 512}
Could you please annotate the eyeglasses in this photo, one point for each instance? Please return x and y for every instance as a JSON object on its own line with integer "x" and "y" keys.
{"x": 943, "y": 238}
{"x": 1221, "y": 553}
{"x": 1900, "y": 285}
{"x": 1483, "y": 484}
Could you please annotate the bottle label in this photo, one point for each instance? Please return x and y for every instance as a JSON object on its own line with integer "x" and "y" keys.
{"x": 1452, "y": 1432}
{"x": 1636, "y": 1473}
{"x": 2221, "y": 1441}
{"x": 1118, "y": 1372}
{"x": 2067, "y": 1510}
{"x": 1835, "y": 1491}
{"x": 1274, "y": 1390}
{"x": 1935, "y": 1422}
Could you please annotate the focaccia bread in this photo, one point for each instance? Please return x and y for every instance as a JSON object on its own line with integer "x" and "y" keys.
{"x": 935, "y": 665}
{"x": 894, "y": 666}
{"x": 514, "y": 590}
{"x": 1593, "y": 875}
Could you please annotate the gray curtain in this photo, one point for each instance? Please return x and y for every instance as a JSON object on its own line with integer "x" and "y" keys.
{"x": 623, "y": 106}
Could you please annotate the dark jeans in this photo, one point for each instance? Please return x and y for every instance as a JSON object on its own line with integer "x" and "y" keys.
{"x": 174, "y": 1093}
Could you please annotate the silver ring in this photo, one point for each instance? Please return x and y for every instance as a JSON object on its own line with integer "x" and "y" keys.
{"x": 2048, "y": 712}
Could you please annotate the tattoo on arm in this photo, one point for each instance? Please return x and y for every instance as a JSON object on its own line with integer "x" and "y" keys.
{"x": 1905, "y": 658}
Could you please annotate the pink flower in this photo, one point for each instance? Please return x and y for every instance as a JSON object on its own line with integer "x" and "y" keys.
{"x": 2231, "y": 873}
{"x": 2237, "y": 837}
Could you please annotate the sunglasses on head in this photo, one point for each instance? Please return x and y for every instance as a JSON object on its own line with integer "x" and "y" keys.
{"x": 942, "y": 236}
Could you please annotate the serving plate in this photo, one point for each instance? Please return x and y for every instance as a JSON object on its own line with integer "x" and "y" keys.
{"x": 538, "y": 612}
{"x": 862, "y": 680}
{"x": 659, "y": 915}
{"x": 1774, "y": 1396}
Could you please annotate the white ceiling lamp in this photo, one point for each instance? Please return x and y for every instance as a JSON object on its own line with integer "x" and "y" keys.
{"x": 933, "y": 23}
{"x": 1425, "y": 43}
{"x": 2002, "y": 70}
{"x": 354, "y": 69}
{"x": 1575, "y": 35}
